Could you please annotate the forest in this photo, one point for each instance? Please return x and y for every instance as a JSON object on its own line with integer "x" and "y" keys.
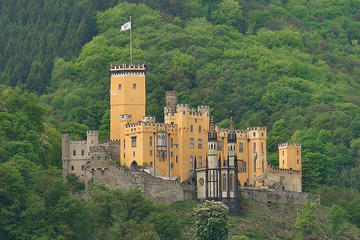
{"x": 290, "y": 65}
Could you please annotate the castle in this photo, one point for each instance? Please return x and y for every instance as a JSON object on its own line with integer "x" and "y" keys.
{"x": 187, "y": 145}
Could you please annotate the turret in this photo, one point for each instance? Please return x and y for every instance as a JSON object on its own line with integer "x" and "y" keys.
{"x": 212, "y": 145}
{"x": 231, "y": 144}
{"x": 171, "y": 100}
{"x": 290, "y": 156}
{"x": 92, "y": 139}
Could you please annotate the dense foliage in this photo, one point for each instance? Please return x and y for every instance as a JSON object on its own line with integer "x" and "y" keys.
{"x": 292, "y": 66}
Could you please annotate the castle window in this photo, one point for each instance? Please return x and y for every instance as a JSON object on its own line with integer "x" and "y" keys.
{"x": 297, "y": 152}
{"x": 297, "y": 161}
{"x": 241, "y": 147}
{"x": 82, "y": 152}
{"x": 254, "y": 134}
{"x": 150, "y": 164}
{"x": 191, "y": 143}
{"x": 119, "y": 86}
{"x": 82, "y": 167}
{"x": 191, "y": 162}
{"x": 92, "y": 141}
{"x": 133, "y": 141}
{"x": 171, "y": 142}
{"x": 224, "y": 182}
{"x": 283, "y": 162}
{"x": 199, "y": 129}
{"x": 176, "y": 159}
{"x": 200, "y": 162}
{"x": 262, "y": 147}
{"x": 172, "y": 165}
{"x": 150, "y": 140}
{"x": 150, "y": 152}
{"x": 200, "y": 143}
{"x": 219, "y": 146}
{"x": 244, "y": 166}
{"x": 254, "y": 147}
{"x": 231, "y": 182}
{"x": 262, "y": 134}
{"x": 134, "y": 85}
{"x": 133, "y": 153}
{"x": 74, "y": 152}
{"x": 72, "y": 168}
{"x": 191, "y": 128}
{"x": 124, "y": 155}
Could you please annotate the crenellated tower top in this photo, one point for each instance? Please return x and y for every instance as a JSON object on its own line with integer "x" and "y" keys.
{"x": 124, "y": 69}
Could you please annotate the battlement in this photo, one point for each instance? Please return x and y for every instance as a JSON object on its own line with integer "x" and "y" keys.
{"x": 272, "y": 169}
{"x": 256, "y": 128}
{"x": 92, "y": 133}
{"x": 184, "y": 108}
{"x": 149, "y": 119}
{"x": 157, "y": 124}
{"x": 171, "y": 93}
{"x": 125, "y": 117}
{"x": 78, "y": 142}
{"x": 125, "y": 69}
{"x": 285, "y": 145}
{"x": 65, "y": 135}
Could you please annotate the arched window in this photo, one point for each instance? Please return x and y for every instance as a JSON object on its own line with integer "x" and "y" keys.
{"x": 224, "y": 182}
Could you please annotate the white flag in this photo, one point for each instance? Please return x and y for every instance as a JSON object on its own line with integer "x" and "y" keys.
{"x": 126, "y": 26}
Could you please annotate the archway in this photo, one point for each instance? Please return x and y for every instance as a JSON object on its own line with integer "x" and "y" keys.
{"x": 133, "y": 165}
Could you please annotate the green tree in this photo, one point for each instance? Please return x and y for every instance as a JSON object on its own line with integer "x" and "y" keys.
{"x": 211, "y": 221}
{"x": 306, "y": 221}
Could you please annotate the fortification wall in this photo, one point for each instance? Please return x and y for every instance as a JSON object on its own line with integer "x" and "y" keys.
{"x": 266, "y": 195}
{"x": 163, "y": 191}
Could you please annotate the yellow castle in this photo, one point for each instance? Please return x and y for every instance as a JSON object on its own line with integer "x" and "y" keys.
{"x": 179, "y": 145}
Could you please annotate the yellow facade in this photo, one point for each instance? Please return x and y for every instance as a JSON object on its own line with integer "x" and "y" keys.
{"x": 174, "y": 148}
{"x": 127, "y": 97}
{"x": 290, "y": 156}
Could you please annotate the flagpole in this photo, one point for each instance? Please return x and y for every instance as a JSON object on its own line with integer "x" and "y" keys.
{"x": 131, "y": 58}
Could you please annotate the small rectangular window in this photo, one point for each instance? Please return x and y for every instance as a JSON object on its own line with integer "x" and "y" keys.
{"x": 72, "y": 168}
{"x": 133, "y": 141}
{"x": 134, "y": 85}
{"x": 171, "y": 142}
{"x": 241, "y": 147}
{"x": 119, "y": 86}
{"x": 200, "y": 143}
{"x": 172, "y": 165}
{"x": 200, "y": 162}
{"x": 191, "y": 162}
{"x": 176, "y": 159}
{"x": 74, "y": 153}
{"x": 219, "y": 146}
{"x": 262, "y": 147}
{"x": 199, "y": 129}
{"x": 150, "y": 164}
{"x": 191, "y": 143}
{"x": 150, "y": 140}
{"x": 82, "y": 167}
{"x": 82, "y": 152}
{"x": 191, "y": 128}
{"x": 124, "y": 143}
{"x": 171, "y": 154}
{"x": 150, "y": 152}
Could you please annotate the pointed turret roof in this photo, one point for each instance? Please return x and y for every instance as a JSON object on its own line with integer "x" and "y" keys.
{"x": 212, "y": 136}
{"x": 231, "y": 133}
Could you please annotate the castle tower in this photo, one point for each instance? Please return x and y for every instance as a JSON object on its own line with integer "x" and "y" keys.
{"x": 92, "y": 139}
{"x": 290, "y": 156}
{"x": 65, "y": 153}
{"x": 231, "y": 144}
{"x": 127, "y": 96}
{"x": 257, "y": 155}
{"x": 171, "y": 100}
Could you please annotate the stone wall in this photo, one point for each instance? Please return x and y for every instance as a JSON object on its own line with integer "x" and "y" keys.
{"x": 162, "y": 191}
{"x": 266, "y": 195}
